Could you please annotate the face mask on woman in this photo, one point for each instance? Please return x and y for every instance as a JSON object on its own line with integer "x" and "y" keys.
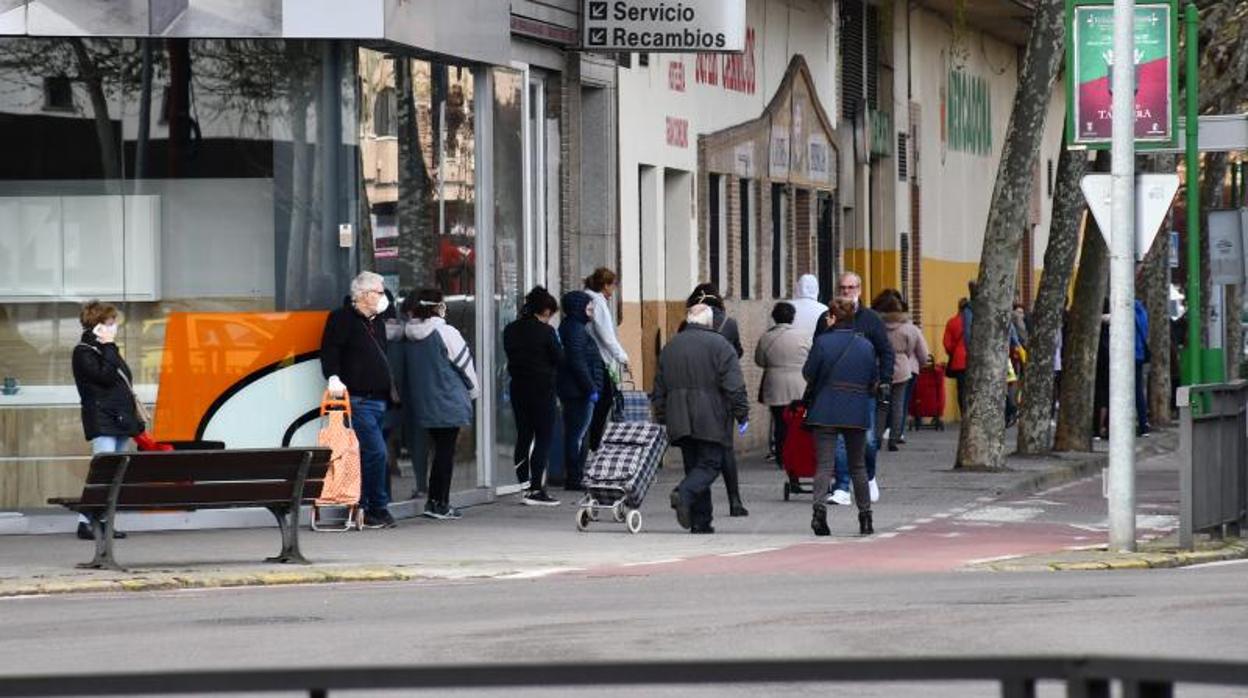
{"x": 106, "y": 333}
{"x": 382, "y": 304}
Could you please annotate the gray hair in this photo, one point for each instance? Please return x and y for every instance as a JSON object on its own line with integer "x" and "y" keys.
{"x": 700, "y": 314}
{"x": 364, "y": 282}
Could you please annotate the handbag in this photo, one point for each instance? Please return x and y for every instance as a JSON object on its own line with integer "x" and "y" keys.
{"x": 395, "y": 397}
{"x": 808, "y": 396}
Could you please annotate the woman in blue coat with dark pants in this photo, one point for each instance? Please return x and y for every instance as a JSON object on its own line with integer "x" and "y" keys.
{"x": 841, "y": 372}
{"x": 578, "y": 384}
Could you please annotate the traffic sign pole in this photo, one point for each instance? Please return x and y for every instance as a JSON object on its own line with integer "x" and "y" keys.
{"x": 1195, "y": 319}
{"x": 1122, "y": 285}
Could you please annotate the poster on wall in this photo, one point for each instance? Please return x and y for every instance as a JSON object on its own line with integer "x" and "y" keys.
{"x": 12, "y": 17}
{"x": 1090, "y": 59}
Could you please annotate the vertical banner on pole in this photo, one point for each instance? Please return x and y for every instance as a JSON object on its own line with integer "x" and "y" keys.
{"x": 1090, "y": 60}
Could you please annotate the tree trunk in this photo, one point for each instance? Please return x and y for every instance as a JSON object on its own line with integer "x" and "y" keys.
{"x": 1154, "y": 290}
{"x": 88, "y": 72}
{"x": 981, "y": 440}
{"x": 1035, "y": 430}
{"x": 1074, "y": 417}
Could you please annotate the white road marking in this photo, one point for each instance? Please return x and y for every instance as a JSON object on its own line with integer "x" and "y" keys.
{"x": 1219, "y": 563}
{"x": 999, "y": 558}
{"x": 951, "y": 534}
{"x": 923, "y": 521}
{"x": 538, "y": 574}
{"x": 906, "y": 528}
{"x": 666, "y": 561}
{"x": 1048, "y": 502}
{"x": 943, "y": 515}
{"x": 743, "y": 553}
{"x": 1003, "y": 514}
{"x": 985, "y": 499}
{"x": 890, "y": 534}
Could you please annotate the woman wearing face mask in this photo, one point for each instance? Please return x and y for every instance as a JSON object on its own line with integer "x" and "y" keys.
{"x": 579, "y": 384}
{"x": 533, "y": 356}
{"x": 110, "y": 418}
{"x": 438, "y": 364}
{"x": 601, "y": 287}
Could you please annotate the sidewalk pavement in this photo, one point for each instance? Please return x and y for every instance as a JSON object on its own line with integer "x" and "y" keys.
{"x": 506, "y": 540}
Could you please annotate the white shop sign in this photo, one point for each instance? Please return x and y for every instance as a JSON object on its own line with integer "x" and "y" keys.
{"x": 664, "y": 26}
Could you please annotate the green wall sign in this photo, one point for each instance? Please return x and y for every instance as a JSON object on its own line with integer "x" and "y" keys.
{"x": 1090, "y": 63}
{"x": 966, "y": 119}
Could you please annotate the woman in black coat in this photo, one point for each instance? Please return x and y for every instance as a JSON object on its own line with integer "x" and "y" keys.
{"x": 533, "y": 357}
{"x": 708, "y": 294}
{"x": 110, "y": 415}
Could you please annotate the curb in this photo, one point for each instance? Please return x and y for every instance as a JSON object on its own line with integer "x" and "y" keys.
{"x": 177, "y": 582}
{"x": 1163, "y": 559}
{"x": 1164, "y": 442}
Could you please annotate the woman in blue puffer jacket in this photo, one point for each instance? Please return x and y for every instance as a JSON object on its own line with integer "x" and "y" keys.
{"x": 579, "y": 383}
{"x": 842, "y": 372}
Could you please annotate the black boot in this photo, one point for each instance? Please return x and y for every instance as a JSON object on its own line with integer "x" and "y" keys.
{"x": 819, "y": 523}
{"x": 865, "y": 526}
{"x": 736, "y": 508}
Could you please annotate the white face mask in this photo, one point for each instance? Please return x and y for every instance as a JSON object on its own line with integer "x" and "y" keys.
{"x": 382, "y": 304}
{"x": 105, "y": 333}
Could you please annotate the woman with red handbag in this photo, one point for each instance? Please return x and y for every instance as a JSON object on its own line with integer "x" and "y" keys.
{"x": 110, "y": 410}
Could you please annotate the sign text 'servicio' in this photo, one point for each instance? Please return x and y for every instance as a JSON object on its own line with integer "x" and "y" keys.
{"x": 643, "y": 26}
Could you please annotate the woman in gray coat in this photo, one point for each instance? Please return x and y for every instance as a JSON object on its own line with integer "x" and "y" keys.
{"x": 781, "y": 353}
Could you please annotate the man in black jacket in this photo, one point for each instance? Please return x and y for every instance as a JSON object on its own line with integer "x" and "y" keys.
{"x": 699, "y": 393}
{"x": 868, "y": 323}
{"x": 353, "y": 359}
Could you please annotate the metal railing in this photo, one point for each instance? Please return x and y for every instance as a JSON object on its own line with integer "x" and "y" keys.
{"x": 1085, "y": 677}
{"x": 1213, "y": 443}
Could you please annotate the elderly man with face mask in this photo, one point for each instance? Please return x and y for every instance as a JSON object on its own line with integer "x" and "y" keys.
{"x": 353, "y": 359}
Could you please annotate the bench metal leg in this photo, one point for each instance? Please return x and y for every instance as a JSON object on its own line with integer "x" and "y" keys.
{"x": 288, "y": 523}
{"x": 103, "y": 534}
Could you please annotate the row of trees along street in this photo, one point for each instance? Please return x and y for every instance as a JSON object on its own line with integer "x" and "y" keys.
{"x": 1077, "y": 250}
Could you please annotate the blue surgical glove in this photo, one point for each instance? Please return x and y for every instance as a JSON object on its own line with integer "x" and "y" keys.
{"x": 593, "y": 397}
{"x": 744, "y": 427}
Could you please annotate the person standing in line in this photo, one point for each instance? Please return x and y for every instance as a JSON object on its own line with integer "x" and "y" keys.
{"x": 708, "y": 294}
{"x": 601, "y": 287}
{"x": 781, "y": 353}
{"x": 954, "y": 342}
{"x": 110, "y": 415}
{"x": 444, "y": 385}
{"x": 533, "y": 358}
{"x": 807, "y": 310}
{"x": 911, "y": 354}
{"x": 1142, "y": 358}
{"x": 842, "y": 370}
{"x": 867, "y": 323}
{"x": 579, "y": 384}
{"x": 699, "y": 392}
{"x": 353, "y": 359}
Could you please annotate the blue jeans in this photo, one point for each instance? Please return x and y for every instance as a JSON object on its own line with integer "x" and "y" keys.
{"x": 842, "y": 458}
{"x": 577, "y": 415}
{"x": 368, "y": 418}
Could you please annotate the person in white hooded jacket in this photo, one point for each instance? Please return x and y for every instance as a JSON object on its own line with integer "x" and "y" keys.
{"x": 601, "y": 287}
{"x": 442, "y": 385}
{"x": 806, "y": 306}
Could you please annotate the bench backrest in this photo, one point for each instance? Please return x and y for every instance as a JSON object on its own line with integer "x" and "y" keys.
{"x": 172, "y": 479}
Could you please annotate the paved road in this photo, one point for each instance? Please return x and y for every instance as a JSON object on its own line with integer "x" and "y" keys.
{"x": 1194, "y": 613}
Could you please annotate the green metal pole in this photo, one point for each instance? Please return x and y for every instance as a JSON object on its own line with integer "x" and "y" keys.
{"x": 1195, "y": 319}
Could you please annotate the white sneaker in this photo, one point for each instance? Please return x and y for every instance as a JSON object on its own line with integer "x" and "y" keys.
{"x": 887, "y": 432}
{"x": 875, "y": 490}
{"x": 840, "y": 497}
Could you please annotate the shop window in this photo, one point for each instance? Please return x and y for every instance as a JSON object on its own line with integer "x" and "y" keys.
{"x": 385, "y": 122}
{"x": 717, "y": 238}
{"x": 58, "y": 94}
{"x": 779, "y": 244}
{"x": 746, "y": 250}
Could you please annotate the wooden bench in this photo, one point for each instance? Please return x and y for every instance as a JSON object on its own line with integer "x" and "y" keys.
{"x": 280, "y": 480}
